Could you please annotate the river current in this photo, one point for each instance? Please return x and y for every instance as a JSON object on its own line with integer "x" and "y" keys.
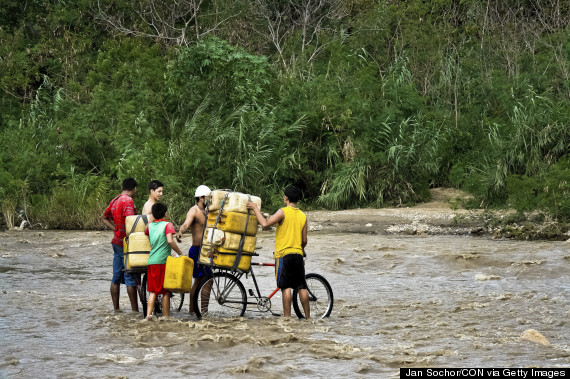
{"x": 400, "y": 301}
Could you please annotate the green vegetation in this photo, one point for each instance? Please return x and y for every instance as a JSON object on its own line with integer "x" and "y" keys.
{"x": 359, "y": 102}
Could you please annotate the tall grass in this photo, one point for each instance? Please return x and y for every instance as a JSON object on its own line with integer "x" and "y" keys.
{"x": 76, "y": 203}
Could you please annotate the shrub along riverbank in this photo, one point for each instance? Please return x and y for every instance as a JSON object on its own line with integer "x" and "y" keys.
{"x": 359, "y": 102}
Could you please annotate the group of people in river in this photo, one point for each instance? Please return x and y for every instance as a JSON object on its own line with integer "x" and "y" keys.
{"x": 290, "y": 242}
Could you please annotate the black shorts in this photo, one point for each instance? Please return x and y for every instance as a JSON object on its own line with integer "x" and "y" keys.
{"x": 290, "y": 272}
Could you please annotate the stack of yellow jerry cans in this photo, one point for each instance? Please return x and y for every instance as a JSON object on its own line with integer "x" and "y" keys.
{"x": 136, "y": 244}
{"x": 229, "y": 238}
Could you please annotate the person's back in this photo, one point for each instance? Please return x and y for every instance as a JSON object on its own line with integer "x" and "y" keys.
{"x": 289, "y": 234}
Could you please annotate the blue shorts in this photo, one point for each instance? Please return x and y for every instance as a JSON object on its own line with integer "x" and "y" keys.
{"x": 200, "y": 270}
{"x": 119, "y": 276}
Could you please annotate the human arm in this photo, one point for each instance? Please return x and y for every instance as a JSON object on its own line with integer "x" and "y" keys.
{"x": 106, "y": 217}
{"x": 275, "y": 218}
{"x": 170, "y": 232}
{"x": 189, "y": 220}
{"x": 304, "y": 238}
{"x": 107, "y": 222}
{"x": 173, "y": 244}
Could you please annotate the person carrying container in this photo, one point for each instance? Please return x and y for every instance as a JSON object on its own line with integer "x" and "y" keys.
{"x": 155, "y": 189}
{"x": 114, "y": 218}
{"x": 290, "y": 242}
{"x": 162, "y": 243}
{"x": 195, "y": 220}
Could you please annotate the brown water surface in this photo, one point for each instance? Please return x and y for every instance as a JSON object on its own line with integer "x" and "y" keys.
{"x": 400, "y": 301}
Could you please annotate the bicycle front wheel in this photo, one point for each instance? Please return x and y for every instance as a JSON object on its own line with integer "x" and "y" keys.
{"x": 320, "y": 297}
{"x": 221, "y": 295}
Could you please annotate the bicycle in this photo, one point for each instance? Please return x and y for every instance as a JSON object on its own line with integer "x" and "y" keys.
{"x": 224, "y": 295}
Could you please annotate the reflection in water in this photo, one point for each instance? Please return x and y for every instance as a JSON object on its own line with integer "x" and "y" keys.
{"x": 400, "y": 301}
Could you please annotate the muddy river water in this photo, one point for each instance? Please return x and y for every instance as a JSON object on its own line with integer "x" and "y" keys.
{"x": 400, "y": 301}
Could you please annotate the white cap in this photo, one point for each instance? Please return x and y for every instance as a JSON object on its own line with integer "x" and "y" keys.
{"x": 202, "y": 191}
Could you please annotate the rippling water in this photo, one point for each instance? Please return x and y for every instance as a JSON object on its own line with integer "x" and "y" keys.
{"x": 400, "y": 301}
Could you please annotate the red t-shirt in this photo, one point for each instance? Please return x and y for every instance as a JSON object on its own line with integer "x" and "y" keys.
{"x": 119, "y": 208}
{"x": 168, "y": 229}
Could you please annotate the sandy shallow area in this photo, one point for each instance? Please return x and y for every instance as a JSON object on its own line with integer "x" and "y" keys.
{"x": 438, "y": 216}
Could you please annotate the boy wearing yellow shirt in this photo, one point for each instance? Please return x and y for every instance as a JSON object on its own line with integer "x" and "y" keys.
{"x": 290, "y": 242}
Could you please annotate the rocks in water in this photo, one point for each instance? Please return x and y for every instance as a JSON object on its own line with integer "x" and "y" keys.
{"x": 534, "y": 336}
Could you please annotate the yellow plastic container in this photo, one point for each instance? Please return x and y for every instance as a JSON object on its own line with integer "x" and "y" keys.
{"x": 137, "y": 249}
{"x": 227, "y": 240}
{"x": 234, "y": 222}
{"x": 178, "y": 274}
{"x": 141, "y": 224}
{"x": 225, "y": 258}
{"x": 234, "y": 202}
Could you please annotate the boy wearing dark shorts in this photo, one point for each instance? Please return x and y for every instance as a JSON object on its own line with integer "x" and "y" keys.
{"x": 290, "y": 242}
{"x": 162, "y": 243}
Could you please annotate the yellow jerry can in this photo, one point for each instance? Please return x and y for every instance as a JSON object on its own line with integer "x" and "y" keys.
{"x": 225, "y": 258}
{"x": 137, "y": 249}
{"x": 178, "y": 274}
{"x": 227, "y": 240}
{"x": 233, "y": 201}
{"x": 233, "y": 222}
{"x": 139, "y": 221}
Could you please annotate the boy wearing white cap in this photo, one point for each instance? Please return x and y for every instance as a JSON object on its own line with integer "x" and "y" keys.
{"x": 195, "y": 220}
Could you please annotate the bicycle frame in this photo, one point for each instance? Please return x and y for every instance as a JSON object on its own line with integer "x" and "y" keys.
{"x": 259, "y": 297}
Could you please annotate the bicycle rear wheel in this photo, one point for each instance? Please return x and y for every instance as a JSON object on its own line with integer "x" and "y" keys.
{"x": 320, "y": 297}
{"x": 221, "y": 295}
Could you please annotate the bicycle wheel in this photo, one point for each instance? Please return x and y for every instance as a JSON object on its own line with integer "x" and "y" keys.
{"x": 176, "y": 301}
{"x": 221, "y": 295}
{"x": 320, "y": 297}
{"x": 143, "y": 295}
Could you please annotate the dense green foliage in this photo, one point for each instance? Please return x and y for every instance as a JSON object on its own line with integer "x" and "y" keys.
{"x": 359, "y": 102}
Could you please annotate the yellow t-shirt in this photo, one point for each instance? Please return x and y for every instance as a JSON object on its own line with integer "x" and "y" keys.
{"x": 289, "y": 234}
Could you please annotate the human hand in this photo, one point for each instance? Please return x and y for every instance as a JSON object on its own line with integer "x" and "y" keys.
{"x": 251, "y": 205}
{"x": 179, "y": 237}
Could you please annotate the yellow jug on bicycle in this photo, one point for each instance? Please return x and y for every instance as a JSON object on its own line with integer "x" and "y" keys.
{"x": 227, "y": 240}
{"x": 233, "y": 222}
{"x": 225, "y": 258}
{"x": 231, "y": 201}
